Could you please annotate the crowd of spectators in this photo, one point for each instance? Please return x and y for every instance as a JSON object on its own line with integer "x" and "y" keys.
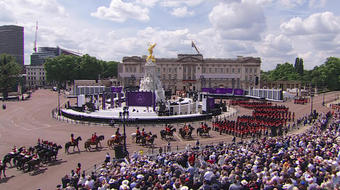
{"x": 304, "y": 161}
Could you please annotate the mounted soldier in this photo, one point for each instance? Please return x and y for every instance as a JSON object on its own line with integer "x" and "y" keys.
{"x": 94, "y": 137}
{"x": 72, "y": 139}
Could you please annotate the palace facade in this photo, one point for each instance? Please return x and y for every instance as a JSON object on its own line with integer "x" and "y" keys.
{"x": 192, "y": 72}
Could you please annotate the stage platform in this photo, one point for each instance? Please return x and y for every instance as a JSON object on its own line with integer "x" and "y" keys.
{"x": 136, "y": 115}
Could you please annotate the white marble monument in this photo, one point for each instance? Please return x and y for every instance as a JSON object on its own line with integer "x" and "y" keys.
{"x": 151, "y": 82}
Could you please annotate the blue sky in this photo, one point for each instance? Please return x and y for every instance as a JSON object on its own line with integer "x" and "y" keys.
{"x": 276, "y": 30}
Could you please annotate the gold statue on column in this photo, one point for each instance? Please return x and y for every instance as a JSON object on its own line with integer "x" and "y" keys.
{"x": 150, "y": 49}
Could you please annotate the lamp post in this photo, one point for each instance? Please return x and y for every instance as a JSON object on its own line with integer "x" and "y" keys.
{"x": 124, "y": 115}
{"x": 59, "y": 100}
{"x": 311, "y": 99}
{"x": 323, "y": 99}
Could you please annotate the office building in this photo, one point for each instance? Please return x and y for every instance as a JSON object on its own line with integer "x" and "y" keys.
{"x": 43, "y": 53}
{"x": 12, "y": 42}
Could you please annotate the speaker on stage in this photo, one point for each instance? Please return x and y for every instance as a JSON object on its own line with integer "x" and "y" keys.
{"x": 171, "y": 110}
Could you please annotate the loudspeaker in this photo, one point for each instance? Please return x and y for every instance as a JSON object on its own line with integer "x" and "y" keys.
{"x": 171, "y": 110}
{"x": 256, "y": 80}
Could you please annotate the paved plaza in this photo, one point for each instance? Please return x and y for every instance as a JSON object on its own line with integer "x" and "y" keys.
{"x": 22, "y": 123}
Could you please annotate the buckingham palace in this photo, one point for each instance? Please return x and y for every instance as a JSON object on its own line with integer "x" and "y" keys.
{"x": 191, "y": 72}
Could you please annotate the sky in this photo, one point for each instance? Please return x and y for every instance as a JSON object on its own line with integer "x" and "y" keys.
{"x": 277, "y": 31}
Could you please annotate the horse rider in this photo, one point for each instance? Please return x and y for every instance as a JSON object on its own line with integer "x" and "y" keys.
{"x": 28, "y": 154}
{"x": 168, "y": 129}
{"x": 137, "y": 134}
{"x": 148, "y": 136}
{"x": 117, "y": 136}
{"x": 14, "y": 150}
{"x": 204, "y": 127}
{"x": 35, "y": 157}
{"x": 186, "y": 129}
{"x": 23, "y": 152}
{"x": 73, "y": 141}
{"x": 143, "y": 133}
{"x": 94, "y": 137}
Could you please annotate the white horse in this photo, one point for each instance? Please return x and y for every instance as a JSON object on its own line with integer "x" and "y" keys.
{"x": 133, "y": 136}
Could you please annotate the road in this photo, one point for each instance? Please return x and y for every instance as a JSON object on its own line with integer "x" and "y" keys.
{"x": 22, "y": 123}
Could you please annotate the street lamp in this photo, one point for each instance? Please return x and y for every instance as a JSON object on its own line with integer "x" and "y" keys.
{"x": 311, "y": 98}
{"x": 123, "y": 116}
{"x": 59, "y": 100}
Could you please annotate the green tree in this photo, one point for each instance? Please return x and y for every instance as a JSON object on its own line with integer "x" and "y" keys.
{"x": 10, "y": 71}
{"x": 90, "y": 67}
{"x": 298, "y": 66}
{"x": 329, "y": 74}
{"x": 62, "y": 69}
{"x": 110, "y": 69}
{"x": 284, "y": 71}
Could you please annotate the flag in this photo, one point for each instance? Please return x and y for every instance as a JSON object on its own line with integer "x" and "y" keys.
{"x": 194, "y": 46}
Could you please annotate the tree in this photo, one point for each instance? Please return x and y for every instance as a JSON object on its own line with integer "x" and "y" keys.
{"x": 328, "y": 74}
{"x": 62, "y": 69}
{"x": 10, "y": 71}
{"x": 67, "y": 68}
{"x": 90, "y": 67}
{"x": 284, "y": 72}
{"x": 110, "y": 69}
{"x": 298, "y": 66}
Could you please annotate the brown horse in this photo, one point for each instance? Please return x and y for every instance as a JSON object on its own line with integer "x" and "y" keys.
{"x": 75, "y": 144}
{"x": 2, "y": 169}
{"x": 89, "y": 142}
{"x": 114, "y": 140}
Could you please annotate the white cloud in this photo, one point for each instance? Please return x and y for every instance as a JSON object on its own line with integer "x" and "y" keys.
{"x": 147, "y": 3}
{"x": 5, "y": 13}
{"x": 182, "y": 12}
{"x": 238, "y": 21}
{"x": 325, "y": 22}
{"x": 315, "y": 37}
{"x": 259, "y": 2}
{"x": 118, "y": 11}
{"x": 177, "y": 3}
{"x": 317, "y": 3}
{"x": 292, "y": 3}
{"x": 275, "y": 45}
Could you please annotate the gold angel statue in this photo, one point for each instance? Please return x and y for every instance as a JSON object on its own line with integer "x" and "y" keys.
{"x": 150, "y": 49}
